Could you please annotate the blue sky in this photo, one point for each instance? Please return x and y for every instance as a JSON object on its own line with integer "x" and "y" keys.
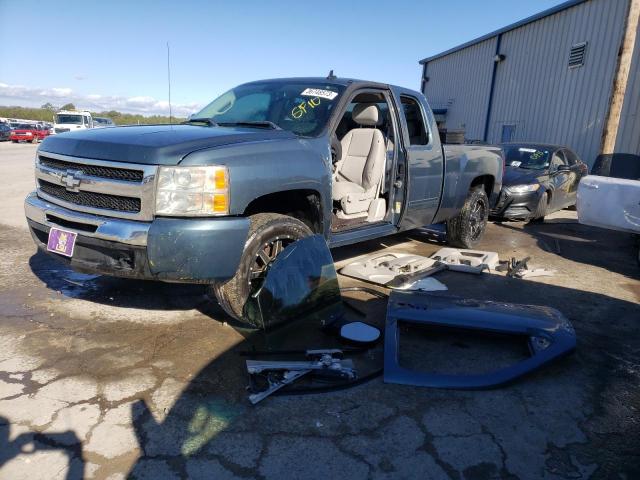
{"x": 112, "y": 54}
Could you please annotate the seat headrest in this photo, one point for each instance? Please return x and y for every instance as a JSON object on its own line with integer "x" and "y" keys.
{"x": 366, "y": 114}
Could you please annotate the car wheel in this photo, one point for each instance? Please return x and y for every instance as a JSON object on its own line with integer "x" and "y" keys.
{"x": 541, "y": 209}
{"x": 465, "y": 230}
{"x": 14, "y": 141}
{"x": 269, "y": 234}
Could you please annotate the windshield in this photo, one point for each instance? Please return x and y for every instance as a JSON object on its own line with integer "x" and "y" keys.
{"x": 526, "y": 157}
{"x": 72, "y": 119}
{"x": 301, "y": 108}
{"x": 102, "y": 121}
{"x": 25, "y": 126}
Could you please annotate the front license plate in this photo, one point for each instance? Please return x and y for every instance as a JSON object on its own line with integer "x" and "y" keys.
{"x": 61, "y": 241}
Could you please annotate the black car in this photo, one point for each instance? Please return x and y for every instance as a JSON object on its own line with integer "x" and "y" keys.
{"x": 538, "y": 179}
{"x": 5, "y": 130}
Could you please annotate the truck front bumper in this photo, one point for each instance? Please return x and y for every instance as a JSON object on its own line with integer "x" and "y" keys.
{"x": 193, "y": 250}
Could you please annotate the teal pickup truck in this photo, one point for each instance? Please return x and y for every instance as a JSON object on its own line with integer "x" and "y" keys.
{"x": 214, "y": 200}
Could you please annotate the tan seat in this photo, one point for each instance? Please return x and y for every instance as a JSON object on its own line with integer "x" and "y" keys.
{"x": 358, "y": 172}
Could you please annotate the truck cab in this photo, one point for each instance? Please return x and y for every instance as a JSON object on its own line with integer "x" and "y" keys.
{"x": 69, "y": 120}
{"x": 216, "y": 199}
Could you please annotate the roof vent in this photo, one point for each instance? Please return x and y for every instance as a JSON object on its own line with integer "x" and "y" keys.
{"x": 576, "y": 55}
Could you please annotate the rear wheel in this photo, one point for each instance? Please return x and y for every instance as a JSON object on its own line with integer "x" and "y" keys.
{"x": 541, "y": 209}
{"x": 269, "y": 234}
{"x": 465, "y": 230}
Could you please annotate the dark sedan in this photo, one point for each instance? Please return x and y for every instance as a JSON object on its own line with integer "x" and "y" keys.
{"x": 539, "y": 179}
{"x": 5, "y": 130}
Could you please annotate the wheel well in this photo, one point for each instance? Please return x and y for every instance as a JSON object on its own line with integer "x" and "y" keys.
{"x": 487, "y": 182}
{"x": 301, "y": 204}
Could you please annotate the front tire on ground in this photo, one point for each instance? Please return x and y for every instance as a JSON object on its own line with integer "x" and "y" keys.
{"x": 541, "y": 209}
{"x": 465, "y": 230}
{"x": 269, "y": 234}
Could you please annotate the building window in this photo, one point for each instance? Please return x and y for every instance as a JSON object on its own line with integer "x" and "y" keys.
{"x": 507, "y": 133}
{"x": 576, "y": 55}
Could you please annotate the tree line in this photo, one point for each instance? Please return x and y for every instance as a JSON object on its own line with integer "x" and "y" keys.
{"x": 46, "y": 111}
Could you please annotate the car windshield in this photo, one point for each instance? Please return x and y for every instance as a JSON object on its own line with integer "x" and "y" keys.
{"x": 301, "y": 108}
{"x": 25, "y": 126}
{"x": 526, "y": 157}
{"x": 102, "y": 121}
{"x": 72, "y": 119}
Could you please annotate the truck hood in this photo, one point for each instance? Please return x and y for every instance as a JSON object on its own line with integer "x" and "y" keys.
{"x": 152, "y": 144}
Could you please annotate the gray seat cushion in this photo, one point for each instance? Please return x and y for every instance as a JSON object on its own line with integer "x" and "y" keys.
{"x": 344, "y": 188}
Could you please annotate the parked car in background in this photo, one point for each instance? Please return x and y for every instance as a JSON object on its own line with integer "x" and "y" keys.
{"x": 539, "y": 179}
{"x": 70, "y": 120}
{"x": 100, "y": 122}
{"x": 5, "y": 131}
{"x": 28, "y": 133}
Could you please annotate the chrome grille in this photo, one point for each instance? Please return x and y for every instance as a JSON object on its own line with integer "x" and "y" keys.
{"x": 94, "y": 170}
{"x": 91, "y": 199}
{"x": 105, "y": 188}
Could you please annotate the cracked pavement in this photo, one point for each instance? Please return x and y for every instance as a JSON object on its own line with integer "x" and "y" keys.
{"x": 106, "y": 378}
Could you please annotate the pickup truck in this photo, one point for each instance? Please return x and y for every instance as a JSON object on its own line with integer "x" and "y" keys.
{"x": 216, "y": 199}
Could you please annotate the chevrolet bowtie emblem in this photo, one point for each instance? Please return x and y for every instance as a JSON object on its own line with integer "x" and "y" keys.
{"x": 71, "y": 180}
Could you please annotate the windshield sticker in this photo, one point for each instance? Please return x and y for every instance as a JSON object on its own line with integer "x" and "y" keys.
{"x": 300, "y": 110}
{"x": 536, "y": 155}
{"x": 515, "y": 163}
{"x": 317, "y": 92}
{"x": 528, "y": 150}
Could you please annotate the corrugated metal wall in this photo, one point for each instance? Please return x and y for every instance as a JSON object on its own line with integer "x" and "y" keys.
{"x": 546, "y": 100}
{"x": 628, "y": 139}
{"x": 460, "y": 82}
{"x": 534, "y": 88}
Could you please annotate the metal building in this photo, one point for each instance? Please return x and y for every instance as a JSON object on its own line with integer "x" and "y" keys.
{"x": 569, "y": 75}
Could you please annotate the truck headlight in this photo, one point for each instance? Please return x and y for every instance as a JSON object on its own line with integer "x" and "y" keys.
{"x": 523, "y": 188}
{"x": 193, "y": 191}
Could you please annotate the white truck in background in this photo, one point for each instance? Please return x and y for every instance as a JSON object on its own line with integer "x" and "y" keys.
{"x": 70, "y": 120}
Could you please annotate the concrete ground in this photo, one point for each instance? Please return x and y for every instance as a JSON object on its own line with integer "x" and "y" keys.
{"x": 107, "y": 378}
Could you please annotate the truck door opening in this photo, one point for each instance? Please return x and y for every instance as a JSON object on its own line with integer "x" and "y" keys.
{"x": 363, "y": 150}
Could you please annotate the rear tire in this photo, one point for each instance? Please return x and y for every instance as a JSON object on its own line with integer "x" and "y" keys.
{"x": 269, "y": 234}
{"x": 541, "y": 209}
{"x": 465, "y": 230}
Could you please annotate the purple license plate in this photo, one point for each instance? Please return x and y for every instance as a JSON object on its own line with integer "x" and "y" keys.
{"x": 61, "y": 241}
